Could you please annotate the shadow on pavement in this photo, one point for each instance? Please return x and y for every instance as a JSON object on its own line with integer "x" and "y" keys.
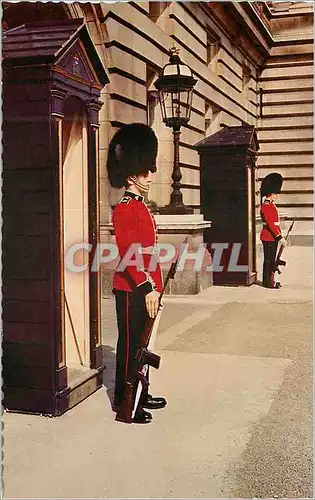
{"x": 109, "y": 359}
{"x": 258, "y": 283}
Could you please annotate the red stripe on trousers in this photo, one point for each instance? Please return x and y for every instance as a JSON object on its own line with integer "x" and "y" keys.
{"x": 128, "y": 335}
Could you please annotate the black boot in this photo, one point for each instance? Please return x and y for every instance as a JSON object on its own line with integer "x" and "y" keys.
{"x": 152, "y": 403}
{"x": 142, "y": 417}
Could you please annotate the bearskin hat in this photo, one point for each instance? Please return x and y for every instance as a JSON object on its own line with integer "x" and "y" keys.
{"x": 272, "y": 183}
{"x": 132, "y": 151}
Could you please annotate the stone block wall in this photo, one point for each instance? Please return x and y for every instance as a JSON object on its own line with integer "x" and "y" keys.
{"x": 285, "y": 127}
{"x": 137, "y": 38}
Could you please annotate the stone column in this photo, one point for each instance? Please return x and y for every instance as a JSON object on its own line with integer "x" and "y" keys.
{"x": 194, "y": 276}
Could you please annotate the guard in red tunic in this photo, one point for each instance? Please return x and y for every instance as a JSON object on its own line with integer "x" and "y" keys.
{"x": 271, "y": 233}
{"x": 138, "y": 278}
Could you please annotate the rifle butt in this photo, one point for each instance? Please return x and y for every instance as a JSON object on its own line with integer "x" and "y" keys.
{"x": 123, "y": 417}
{"x": 124, "y": 412}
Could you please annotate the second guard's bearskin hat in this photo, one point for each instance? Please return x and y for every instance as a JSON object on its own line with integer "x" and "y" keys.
{"x": 132, "y": 151}
{"x": 272, "y": 183}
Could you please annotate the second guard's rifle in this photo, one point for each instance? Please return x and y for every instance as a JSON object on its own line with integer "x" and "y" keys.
{"x": 278, "y": 260}
{"x": 144, "y": 356}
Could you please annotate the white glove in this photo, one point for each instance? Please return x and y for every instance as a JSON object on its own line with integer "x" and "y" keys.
{"x": 283, "y": 242}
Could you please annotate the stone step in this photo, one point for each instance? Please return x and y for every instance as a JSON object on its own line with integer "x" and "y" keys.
{"x": 287, "y": 97}
{"x": 285, "y": 135}
{"x": 290, "y": 60}
{"x": 286, "y": 108}
{"x": 287, "y": 84}
{"x": 303, "y": 227}
{"x": 273, "y": 73}
{"x": 287, "y": 171}
{"x": 298, "y": 184}
{"x": 285, "y": 122}
{"x": 297, "y": 210}
{"x": 288, "y": 147}
{"x": 296, "y": 197}
{"x": 286, "y": 159}
{"x": 303, "y": 240}
{"x": 303, "y": 50}
{"x": 302, "y": 233}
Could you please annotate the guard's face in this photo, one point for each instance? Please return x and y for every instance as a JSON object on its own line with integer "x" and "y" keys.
{"x": 145, "y": 180}
{"x": 141, "y": 181}
{"x": 274, "y": 196}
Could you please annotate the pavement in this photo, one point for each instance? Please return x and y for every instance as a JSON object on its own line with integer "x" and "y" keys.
{"x": 237, "y": 373}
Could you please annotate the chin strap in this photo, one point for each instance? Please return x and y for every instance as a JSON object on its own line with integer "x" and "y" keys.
{"x": 144, "y": 187}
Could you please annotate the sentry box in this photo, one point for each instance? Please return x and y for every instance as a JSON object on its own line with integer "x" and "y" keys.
{"x": 52, "y": 81}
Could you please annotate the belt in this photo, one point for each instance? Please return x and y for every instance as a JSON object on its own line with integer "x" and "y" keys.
{"x": 275, "y": 223}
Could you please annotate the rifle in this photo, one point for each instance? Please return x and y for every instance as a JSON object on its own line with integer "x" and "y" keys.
{"x": 278, "y": 260}
{"x": 144, "y": 356}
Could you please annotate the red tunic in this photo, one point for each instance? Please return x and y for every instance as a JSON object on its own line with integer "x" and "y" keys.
{"x": 135, "y": 225}
{"x": 271, "y": 224}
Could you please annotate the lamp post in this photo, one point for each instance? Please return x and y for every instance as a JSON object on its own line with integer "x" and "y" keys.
{"x": 175, "y": 87}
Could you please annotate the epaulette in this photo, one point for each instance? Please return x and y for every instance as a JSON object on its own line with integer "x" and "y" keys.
{"x": 125, "y": 199}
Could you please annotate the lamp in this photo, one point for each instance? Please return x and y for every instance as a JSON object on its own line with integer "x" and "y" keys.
{"x": 175, "y": 87}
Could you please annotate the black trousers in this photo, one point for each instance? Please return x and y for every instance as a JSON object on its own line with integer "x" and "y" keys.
{"x": 132, "y": 316}
{"x": 270, "y": 252}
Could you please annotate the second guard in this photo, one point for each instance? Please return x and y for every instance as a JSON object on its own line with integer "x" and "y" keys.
{"x": 271, "y": 233}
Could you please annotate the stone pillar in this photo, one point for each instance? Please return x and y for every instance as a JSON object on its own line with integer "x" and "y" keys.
{"x": 194, "y": 276}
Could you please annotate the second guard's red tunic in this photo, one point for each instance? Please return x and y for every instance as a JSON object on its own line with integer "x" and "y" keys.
{"x": 271, "y": 224}
{"x": 135, "y": 225}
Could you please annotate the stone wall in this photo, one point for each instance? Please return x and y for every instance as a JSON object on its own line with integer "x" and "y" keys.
{"x": 285, "y": 129}
{"x": 233, "y": 49}
{"x": 138, "y": 37}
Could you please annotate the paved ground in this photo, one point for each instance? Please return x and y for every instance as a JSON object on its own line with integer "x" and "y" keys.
{"x": 237, "y": 373}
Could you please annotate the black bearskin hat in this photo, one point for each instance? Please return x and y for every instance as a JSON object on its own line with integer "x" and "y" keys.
{"x": 272, "y": 183}
{"x": 132, "y": 151}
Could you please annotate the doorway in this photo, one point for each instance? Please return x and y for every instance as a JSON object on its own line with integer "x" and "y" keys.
{"x": 76, "y": 230}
